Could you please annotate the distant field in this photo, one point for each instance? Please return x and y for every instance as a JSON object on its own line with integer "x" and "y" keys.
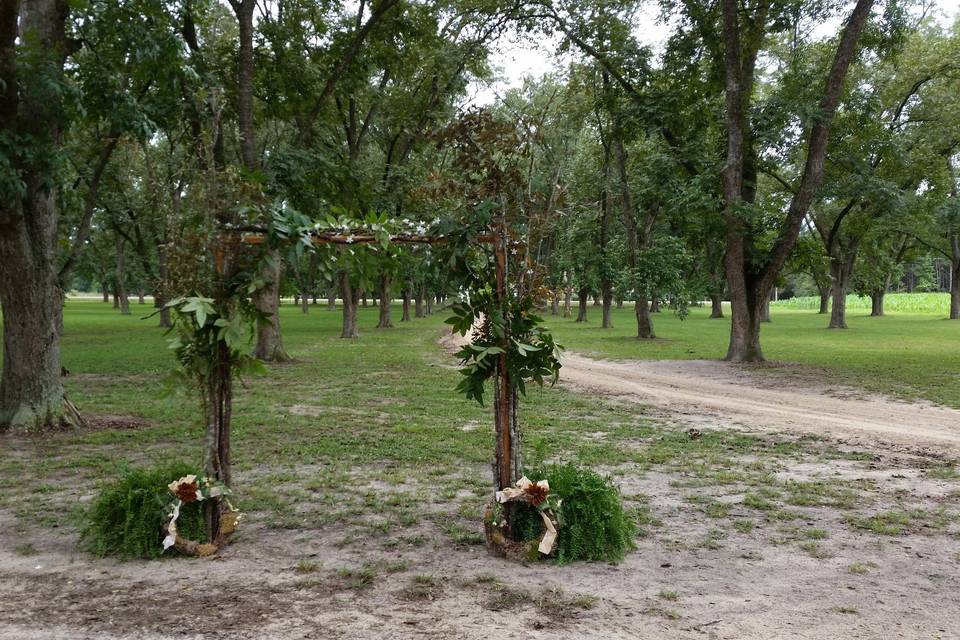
{"x": 910, "y": 355}
{"x": 904, "y": 302}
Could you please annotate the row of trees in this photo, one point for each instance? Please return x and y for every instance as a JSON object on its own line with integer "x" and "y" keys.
{"x": 746, "y": 152}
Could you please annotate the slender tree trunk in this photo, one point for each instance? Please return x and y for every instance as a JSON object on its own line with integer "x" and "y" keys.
{"x": 619, "y": 302}
{"x": 305, "y": 303}
{"x": 406, "y": 305}
{"x": 955, "y": 275}
{"x": 269, "y": 346}
{"x": 607, "y": 322}
{"x": 824, "y": 300}
{"x": 106, "y": 291}
{"x": 332, "y": 297}
{"x": 644, "y": 322}
{"x": 351, "y": 297}
{"x": 582, "y": 309}
{"x": 841, "y": 268}
{"x": 418, "y": 301}
{"x": 716, "y": 305}
{"x": 765, "y": 310}
{"x": 386, "y": 319}
{"x": 218, "y": 402}
{"x": 429, "y": 305}
{"x": 567, "y": 301}
{"x": 655, "y": 305}
{"x": 120, "y": 275}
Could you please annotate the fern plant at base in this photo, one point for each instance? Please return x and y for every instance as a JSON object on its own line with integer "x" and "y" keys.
{"x": 594, "y": 524}
{"x": 127, "y": 515}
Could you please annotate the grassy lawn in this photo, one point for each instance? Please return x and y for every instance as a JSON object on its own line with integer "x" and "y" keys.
{"x": 361, "y": 453}
{"x": 908, "y": 355}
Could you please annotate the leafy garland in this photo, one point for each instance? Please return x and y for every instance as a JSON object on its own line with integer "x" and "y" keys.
{"x": 531, "y": 352}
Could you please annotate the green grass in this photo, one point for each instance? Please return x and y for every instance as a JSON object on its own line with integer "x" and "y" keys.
{"x": 911, "y": 355}
{"x": 368, "y": 437}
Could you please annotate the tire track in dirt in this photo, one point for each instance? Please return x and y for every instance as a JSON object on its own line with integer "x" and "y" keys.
{"x": 763, "y": 398}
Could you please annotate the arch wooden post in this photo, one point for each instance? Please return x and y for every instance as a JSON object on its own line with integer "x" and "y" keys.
{"x": 507, "y": 462}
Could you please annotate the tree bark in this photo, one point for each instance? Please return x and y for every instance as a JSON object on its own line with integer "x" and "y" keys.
{"x": 386, "y": 319}
{"x": 716, "y": 305}
{"x": 567, "y": 301}
{"x": 582, "y": 309}
{"x": 406, "y": 305}
{"x": 106, "y": 291}
{"x": 765, "y": 310}
{"x": 351, "y": 297}
{"x": 31, "y": 391}
{"x": 655, "y": 305}
{"x": 749, "y": 287}
{"x": 876, "y": 302}
{"x": 120, "y": 275}
{"x": 644, "y": 323}
{"x": 418, "y": 301}
{"x": 955, "y": 275}
{"x": 332, "y": 297}
{"x": 248, "y": 148}
{"x": 269, "y": 346}
{"x": 824, "y": 300}
{"x": 841, "y": 268}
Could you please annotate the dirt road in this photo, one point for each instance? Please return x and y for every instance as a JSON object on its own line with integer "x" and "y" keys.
{"x": 767, "y": 398}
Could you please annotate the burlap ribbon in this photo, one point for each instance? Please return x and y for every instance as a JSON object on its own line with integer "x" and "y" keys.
{"x": 522, "y": 493}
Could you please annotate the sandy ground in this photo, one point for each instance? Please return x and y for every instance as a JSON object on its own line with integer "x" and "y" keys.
{"x": 684, "y": 581}
{"x": 768, "y": 397}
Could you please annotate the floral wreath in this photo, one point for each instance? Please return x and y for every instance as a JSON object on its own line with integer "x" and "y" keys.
{"x": 538, "y": 495}
{"x": 187, "y": 490}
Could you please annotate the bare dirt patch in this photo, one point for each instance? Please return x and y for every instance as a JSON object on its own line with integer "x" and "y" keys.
{"x": 767, "y": 398}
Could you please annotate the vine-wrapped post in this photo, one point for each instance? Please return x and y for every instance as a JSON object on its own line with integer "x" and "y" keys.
{"x": 507, "y": 462}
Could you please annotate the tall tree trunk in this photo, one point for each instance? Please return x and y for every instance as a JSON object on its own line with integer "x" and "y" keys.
{"x": 31, "y": 391}
{"x": 418, "y": 301}
{"x": 269, "y": 346}
{"x": 955, "y": 275}
{"x": 716, "y": 305}
{"x": 386, "y": 320}
{"x": 749, "y": 287}
{"x": 305, "y": 303}
{"x": 248, "y": 148}
{"x": 876, "y": 302}
{"x": 841, "y": 268}
{"x": 105, "y": 286}
{"x": 332, "y": 297}
{"x": 555, "y": 303}
{"x": 582, "y": 309}
{"x": 429, "y": 305}
{"x": 824, "y": 300}
{"x": 351, "y": 297}
{"x": 567, "y": 301}
{"x": 406, "y": 304}
{"x": 141, "y": 296}
{"x": 655, "y": 305}
{"x": 765, "y": 310}
{"x": 644, "y": 323}
{"x": 120, "y": 276}
{"x": 619, "y": 302}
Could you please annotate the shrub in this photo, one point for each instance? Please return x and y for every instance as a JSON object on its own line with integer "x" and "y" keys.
{"x": 595, "y": 526}
{"x": 126, "y": 517}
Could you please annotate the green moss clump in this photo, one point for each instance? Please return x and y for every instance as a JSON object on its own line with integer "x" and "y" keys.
{"x": 595, "y": 526}
{"x": 126, "y": 517}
